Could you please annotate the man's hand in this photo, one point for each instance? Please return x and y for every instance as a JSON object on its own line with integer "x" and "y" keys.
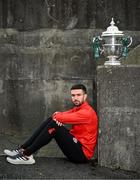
{"x": 58, "y": 123}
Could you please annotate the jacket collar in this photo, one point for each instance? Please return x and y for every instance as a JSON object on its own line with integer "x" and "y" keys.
{"x": 81, "y": 106}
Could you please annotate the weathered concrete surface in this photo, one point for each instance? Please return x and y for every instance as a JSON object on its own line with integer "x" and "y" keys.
{"x": 133, "y": 56}
{"x": 55, "y": 38}
{"x": 118, "y": 104}
{"x": 71, "y": 14}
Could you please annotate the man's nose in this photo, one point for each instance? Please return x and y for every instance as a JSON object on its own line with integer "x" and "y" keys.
{"x": 76, "y": 97}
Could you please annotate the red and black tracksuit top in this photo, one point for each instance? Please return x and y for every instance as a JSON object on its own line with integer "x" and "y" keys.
{"x": 84, "y": 126}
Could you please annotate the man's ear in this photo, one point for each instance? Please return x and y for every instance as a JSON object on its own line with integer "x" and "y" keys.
{"x": 85, "y": 96}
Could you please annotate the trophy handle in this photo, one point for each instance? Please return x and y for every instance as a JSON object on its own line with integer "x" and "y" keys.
{"x": 126, "y": 44}
{"x": 96, "y": 46}
{"x": 130, "y": 42}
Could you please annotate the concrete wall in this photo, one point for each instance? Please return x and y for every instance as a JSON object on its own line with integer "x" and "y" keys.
{"x": 118, "y": 102}
{"x": 69, "y": 14}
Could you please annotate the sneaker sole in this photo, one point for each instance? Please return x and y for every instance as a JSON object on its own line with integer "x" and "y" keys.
{"x": 19, "y": 162}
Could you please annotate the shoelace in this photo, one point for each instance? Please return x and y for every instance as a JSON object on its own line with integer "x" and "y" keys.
{"x": 20, "y": 156}
{"x": 16, "y": 150}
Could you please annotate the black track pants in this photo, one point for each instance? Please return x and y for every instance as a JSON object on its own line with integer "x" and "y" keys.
{"x": 48, "y": 130}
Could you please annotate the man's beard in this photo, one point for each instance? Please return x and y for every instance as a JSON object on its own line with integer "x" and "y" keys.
{"x": 79, "y": 103}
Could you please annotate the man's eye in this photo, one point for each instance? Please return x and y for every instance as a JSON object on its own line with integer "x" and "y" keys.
{"x": 78, "y": 94}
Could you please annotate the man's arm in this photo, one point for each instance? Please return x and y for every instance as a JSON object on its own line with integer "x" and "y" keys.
{"x": 78, "y": 117}
{"x": 65, "y": 112}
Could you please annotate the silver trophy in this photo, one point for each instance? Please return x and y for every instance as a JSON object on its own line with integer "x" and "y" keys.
{"x": 113, "y": 43}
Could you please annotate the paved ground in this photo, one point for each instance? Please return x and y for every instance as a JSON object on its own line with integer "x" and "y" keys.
{"x": 60, "y": 168}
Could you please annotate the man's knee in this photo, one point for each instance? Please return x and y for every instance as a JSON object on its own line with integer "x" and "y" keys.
{"x": 52, "y": 123}
{"x": 52, "y": 127}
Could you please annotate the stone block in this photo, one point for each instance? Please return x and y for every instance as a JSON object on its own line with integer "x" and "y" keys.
{"x": 118, "y": 105}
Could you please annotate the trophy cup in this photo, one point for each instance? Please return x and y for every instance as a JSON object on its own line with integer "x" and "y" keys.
{"x": 113, "y": 43}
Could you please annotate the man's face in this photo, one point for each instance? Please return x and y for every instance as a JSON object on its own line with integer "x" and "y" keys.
{"x": 78, "y": 96}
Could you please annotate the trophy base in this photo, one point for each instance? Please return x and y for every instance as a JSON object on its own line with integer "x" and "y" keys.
{"x": 112, "y": 61}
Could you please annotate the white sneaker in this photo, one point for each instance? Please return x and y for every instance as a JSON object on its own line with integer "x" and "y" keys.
{"x": 11, "y": 152}
{"x": 21, "y": 159}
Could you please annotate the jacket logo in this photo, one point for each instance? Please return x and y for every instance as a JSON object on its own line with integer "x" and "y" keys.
{"x": 52, "y": 130}
{"x": 75, "y": 140}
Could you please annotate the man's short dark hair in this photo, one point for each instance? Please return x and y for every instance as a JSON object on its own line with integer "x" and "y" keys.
{"x": 79, "y": 86}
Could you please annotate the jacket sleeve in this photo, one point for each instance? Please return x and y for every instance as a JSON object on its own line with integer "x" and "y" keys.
{"x": 68, "y": 111}
{"x": 78, "y": 117}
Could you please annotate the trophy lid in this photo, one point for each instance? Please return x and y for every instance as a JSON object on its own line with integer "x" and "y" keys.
{"x": 112, "y": 30}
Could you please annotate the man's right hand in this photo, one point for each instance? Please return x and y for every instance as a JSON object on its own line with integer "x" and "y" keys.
{"x": 58, "y": 123}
